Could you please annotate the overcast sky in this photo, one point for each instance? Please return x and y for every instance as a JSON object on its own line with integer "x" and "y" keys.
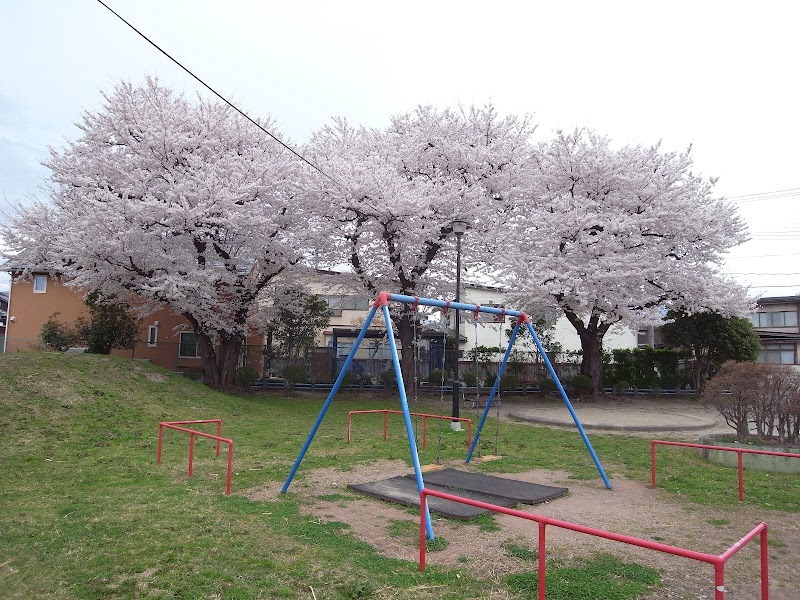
{"x": 720, "y": 76}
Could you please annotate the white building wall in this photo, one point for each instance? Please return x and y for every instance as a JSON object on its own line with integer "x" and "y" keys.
{"x": 618, "y": 337}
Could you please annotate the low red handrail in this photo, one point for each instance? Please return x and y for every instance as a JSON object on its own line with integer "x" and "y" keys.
{"x": 386, "y": 412}
{"x": 739, "y": 451}
{"x": 176, "y": 425}
{"x": 718, "y": 561}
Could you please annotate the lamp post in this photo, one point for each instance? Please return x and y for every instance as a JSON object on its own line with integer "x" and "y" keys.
{"x": 459, "y": 228}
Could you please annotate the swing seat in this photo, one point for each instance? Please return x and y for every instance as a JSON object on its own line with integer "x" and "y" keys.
{"x": 487, "y": 458}
{"x": 431, "y": 467}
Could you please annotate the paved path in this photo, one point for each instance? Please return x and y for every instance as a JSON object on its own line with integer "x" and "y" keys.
{"x": 669, "y": 414}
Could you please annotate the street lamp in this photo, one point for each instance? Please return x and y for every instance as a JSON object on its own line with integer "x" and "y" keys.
{"x": 459, "y": 228}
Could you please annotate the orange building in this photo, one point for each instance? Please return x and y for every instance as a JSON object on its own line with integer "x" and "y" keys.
{"x": 165, "y": 338}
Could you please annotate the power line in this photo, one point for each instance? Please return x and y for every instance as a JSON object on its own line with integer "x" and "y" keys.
{"x": 221, "y": 97}
{"x": 761, "y": 287}
{"x": 763, "y": 256}
{"x": 761, "y": 196}
{"x": 764, "y": 274}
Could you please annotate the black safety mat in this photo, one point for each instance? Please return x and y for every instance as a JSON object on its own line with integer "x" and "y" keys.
{"x": 519, "y": 491}
{"x": 403, "y": 490}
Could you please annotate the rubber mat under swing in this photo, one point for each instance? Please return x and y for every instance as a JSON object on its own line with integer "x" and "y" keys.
{"x": 475, "y": 486}
{"x": 403, "y": 490}
{"x": 520, "y": 491}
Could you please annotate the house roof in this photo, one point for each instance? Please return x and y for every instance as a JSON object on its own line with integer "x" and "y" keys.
{"x": 779, "y": 300}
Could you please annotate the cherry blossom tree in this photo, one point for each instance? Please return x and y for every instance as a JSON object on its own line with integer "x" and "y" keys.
{"x": 395, "y": 192}
{"x": 180, "y": 203}
{"x": 617, "y": 236}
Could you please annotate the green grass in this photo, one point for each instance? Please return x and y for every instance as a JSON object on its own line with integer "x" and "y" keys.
{"x": 601, "y": 577}
{"x": 85, "y": 511}
{"x": 521, "y": 552}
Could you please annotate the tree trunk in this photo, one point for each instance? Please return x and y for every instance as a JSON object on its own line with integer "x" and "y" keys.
{"x": 230, "y": 348}
{"x": 407, "y": 361}
{"x": 205, "y": 347}
{"x": 592, "y": 362}
{"x": 700, "y": 374}
{"x": 219, "y": 367}
{"x": 591, "y": 335}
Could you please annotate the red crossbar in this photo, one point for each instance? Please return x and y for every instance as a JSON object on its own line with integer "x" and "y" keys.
{"x": 739, "y": 451}
{"x": 176, "y": 425}
{"x": 718, "y": 561}
{"x": 425, "y": 417}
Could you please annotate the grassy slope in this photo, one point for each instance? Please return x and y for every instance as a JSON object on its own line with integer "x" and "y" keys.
{"x": 85, "y": 512}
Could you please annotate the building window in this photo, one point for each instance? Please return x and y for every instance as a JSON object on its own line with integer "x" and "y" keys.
{"x": 785, "y": 318}
{"x": 782, "y": 354}
{"x": 152, "y": 336}
{"x": 343, "y": 350}
{"x": 188, "y": 345}
{"x": 39, "y": 284}
{"x": 337, "y": 304}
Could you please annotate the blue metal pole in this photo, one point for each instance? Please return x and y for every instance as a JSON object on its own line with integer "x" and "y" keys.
{"x": 569, "y": 405}
{"x": 407, "y": 416}
{"x": 328, "y": 401}
{"x": 493, "y": 393}
{"x": 454, "y": 305}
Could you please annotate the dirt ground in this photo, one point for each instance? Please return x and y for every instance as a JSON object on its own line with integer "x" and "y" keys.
{"x": 631, "y": 508}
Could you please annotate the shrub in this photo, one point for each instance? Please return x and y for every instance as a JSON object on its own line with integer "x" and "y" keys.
{"x": 293, "y": 374}
{"x": 765, "y": 395}
{"x": 350, "y": 378}
{"x": 366, "y": 379}
{"x": 388, "y": 379}
{"x": 436, "y": 377}
{"x": 470, "y": 379}
{"x": 246, "y": 376}
{"x": 547, "y": 385}
{"x": 509, "y": 382}
{"x": 620, "y": 387}
{"x": 580, "y": 384}
{"x": 489, "y": 379}
{"x": 58, "y": 335}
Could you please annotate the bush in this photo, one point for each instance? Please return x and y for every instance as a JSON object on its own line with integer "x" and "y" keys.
{"x": 489, "y": 379}
{"x": 470, "y": 379}
{"x": 436, "y": 377}
{"x": 620, "y": 387}
{"x": 350, "y": 378}
{"x": 547, "y": 385}
{"x": 388, "y": 379}
{"x": 58, "y": 335}
{"x": 580, "y": 384}
{"x": 293, "y": 374}
{"x": 764, "y": 395}
{"x": 509, "y": 382}
{"x": 245, "y": 376}
{"x": 366, "y": 379}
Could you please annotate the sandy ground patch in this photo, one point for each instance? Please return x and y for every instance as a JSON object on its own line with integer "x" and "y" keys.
{"x": 631, "y": 508}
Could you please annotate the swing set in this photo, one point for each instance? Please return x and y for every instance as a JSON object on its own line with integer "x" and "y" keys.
{"x": 382, "y": 302}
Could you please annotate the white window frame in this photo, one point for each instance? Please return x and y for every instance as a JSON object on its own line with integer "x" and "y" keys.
{"x": 36, "y": 280}
{"x": 152, "y": 336}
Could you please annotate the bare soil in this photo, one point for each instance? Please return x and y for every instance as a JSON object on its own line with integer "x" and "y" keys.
{"x": 631, "y": 508}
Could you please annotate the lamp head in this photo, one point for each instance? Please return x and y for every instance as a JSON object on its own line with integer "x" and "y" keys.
{"x": 459, "y": 227}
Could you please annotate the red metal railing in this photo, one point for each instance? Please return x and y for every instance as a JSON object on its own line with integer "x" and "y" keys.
{"x": 739, "y": 451}
{"x": 425, "y": 417}
{"x": 718, "y": 561}
{"x": 176, "y": 425}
